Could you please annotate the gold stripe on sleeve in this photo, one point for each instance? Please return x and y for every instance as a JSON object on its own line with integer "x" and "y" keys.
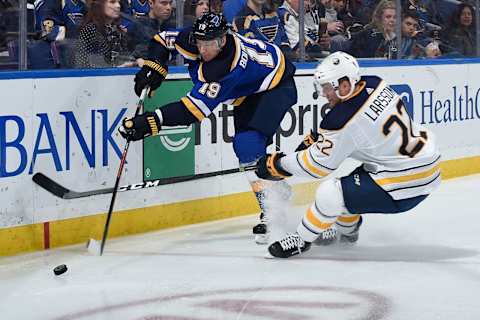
{"x": 185, "y": 53}
{"x": 193, "y": 108}
{"x": 278, "y": 76}
{"x": 238, "y": 101}
{"x": 238, "y": 50}
{"x": 311, "y": 167}
{"x": 159, "y": 40}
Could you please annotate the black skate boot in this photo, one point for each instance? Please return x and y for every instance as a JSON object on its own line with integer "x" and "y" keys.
{"x": 260, "y": 231}
{"x": 327, "y": 237}
{"x": 289, "y": 246}
{"x": 351, "y": 237}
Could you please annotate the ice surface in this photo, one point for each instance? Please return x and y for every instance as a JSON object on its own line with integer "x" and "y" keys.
{"x": 424, "y": 264}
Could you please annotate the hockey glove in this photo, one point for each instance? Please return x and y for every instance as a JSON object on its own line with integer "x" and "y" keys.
{"x": 269, "y": 167}
{"x": 308, "y": 140}
{"x": 141, "y": 126}
{"x": 152, "y": 74}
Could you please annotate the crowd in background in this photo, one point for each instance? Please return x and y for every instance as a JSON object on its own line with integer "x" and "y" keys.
{"x": 116, "y": 33}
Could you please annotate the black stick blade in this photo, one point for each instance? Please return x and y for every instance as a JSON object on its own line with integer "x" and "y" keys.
{"x": 50, "y": 185}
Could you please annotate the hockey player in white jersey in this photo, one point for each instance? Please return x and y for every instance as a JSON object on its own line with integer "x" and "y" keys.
{"x": 369, "y": 123}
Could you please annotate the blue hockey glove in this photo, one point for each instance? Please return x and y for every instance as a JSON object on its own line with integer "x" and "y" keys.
{"x": 269, "y": 167}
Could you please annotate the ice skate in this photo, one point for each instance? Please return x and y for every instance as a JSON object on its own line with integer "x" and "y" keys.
{"x": 327, "y": 237}
{"x": 351, "y": 237}
{"x": 289, "y": 246}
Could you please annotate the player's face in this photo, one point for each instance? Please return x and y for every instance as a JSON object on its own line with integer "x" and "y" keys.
{"x": 112, "y": 9}
{"x": 209, "y": 49}
{"x": 328, "y": 92}
{"x": 344, "y": 87}
{"x": 161, "y": 9}
{"x": 201, "y": 8}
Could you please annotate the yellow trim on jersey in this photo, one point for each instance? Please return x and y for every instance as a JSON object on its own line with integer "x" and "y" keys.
{"x": 185, "y": 53}
{"x": 238, "y": 50}
{"x": 200, "y": 73}
{"x": 349, "y": 219}
{"x": 248, "y": 21}
{"x": 314, "y": 220}
{"x": 278, "y": 76}
{"x": 238, "y": 101}
{"x": 358, "y": 89}
{"x": 416, "y": 176}
{"x": 367, "y": 102}
{"x": 311, "y": 167}
{"x": 193, "y": 108}
{"x": 159, "y": 40}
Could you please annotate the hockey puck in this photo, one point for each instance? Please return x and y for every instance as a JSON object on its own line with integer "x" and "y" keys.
{"x": 60, "y": 269}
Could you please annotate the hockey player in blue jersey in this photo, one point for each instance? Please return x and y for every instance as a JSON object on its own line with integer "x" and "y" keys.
{"x": 369, "y": 123}
{"x": 225, "y": 68}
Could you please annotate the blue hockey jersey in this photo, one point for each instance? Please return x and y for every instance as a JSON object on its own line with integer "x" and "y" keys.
{"x": 256, "y": 66}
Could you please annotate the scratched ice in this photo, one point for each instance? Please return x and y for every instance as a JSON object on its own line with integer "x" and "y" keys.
{"x": 421, "y": 265}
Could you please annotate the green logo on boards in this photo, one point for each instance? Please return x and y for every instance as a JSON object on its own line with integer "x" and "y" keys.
{"x": 172, "y": 152}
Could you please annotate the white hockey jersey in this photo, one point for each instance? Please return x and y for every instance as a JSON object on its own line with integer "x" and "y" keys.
{"x": 373, "y": 126}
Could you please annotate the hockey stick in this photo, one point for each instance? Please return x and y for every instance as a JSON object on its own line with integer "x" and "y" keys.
{"x": 60, "y": 191}
{"x": 92, "y": 243}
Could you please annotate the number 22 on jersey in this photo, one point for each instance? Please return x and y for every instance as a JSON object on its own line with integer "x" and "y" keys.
{"x": 411, "y": 143}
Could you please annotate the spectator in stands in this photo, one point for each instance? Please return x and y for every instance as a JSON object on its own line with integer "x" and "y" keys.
{"x": 341, "y": 23}
{"x": 145, "y": 28}
{"x": 195, "y": 9}
{"x": 102, "y": 42}
{"x": 131, "y": 10}
{"x": 362, "y": 9}
{"x": 259, "y": 20}
{"x": 377, "y": 39}
{"x": 427, "y": 11}
{"x": 461, "y": 34}
{"x": 60, "y": 19}
{"x": 344, "y": 13}
{"x": 432, "y": 50}
{"x": 231, "y": 8}
{"x": 316, "y": 45}
{"x": 410, "y": 25}
{"x": 135, "y": 8}
{"x": 326, "y": 10}
{"x": 201, "y": 7}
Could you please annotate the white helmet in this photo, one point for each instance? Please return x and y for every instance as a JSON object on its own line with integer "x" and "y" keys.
{"x": 336, "y": 66}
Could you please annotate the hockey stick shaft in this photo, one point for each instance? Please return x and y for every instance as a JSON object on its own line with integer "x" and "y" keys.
{"x": 64, "y": 193}
{"x": 119, "y": 174}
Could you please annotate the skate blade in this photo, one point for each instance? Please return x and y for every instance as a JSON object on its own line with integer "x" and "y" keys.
{"x": 93, "y": 247}
{"x": 268, "y": 255}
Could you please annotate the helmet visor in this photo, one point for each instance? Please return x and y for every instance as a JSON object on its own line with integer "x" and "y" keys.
{"x": 325, "y": 89}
